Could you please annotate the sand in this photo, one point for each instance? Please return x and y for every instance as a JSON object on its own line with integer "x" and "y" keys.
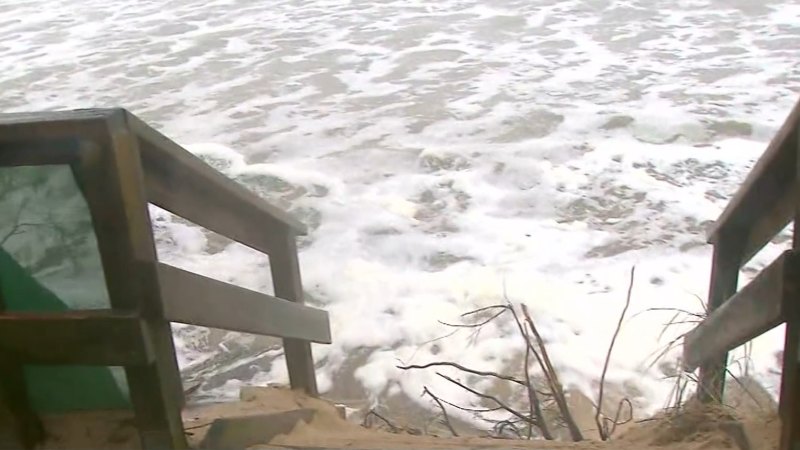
{"x": 695, "y": 427}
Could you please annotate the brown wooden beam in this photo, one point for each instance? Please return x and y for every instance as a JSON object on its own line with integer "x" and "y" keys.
{"x": 773, "y": 175}
{"x": 39, "y": 152}
{"x": 790, "y": 393}
{"x": 75, "y": 337}
{"x": 288, "y": 285}
{"x": 197, "y": 300}
{"x": 770, "y": 222}
{"x": 183, "y": 184}
{"x": 754, "y": 310}
{"x": 87, "y": 125}
{"x": 723, "y": 284}
{"x": 111, "y": 177}
{"x": 48, "y": 118}
{"x": 789, "y": 405}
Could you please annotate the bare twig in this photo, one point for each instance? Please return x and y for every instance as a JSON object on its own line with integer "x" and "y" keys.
{"x": 477, "y": 311}
{"x": 16, "y": 230}
{"x": 603, "y": 434}
{"x": 522, "y": 332}
{"x": 372, "y": 412}
{"x": 712, "y": 395}
{"x": 485, "y": 308}
{"x": 676, "y": 310}
{"x": 703, "y": 304}
{"x": 535, "y": 418}
{"x": 682, "y": 385}
{"x": 667, "y": 326}
{"x": 616, "y": 422}
{"x": 533, "y": 399}
{"x": 444, "y": 412}
{"x": 745, "y": 389}
{"x": 444, "y": 336}
{"x": 464, "y": 369}
{"x": 666, "y": 349}
{"x": 490, "y": 397}
{"x": 479, "y": 325}
{"x": 748, "y": 354}
{"x": 507, "y": 424}
{"x": 552, "y": 378}
{"x": 472, "y": 410}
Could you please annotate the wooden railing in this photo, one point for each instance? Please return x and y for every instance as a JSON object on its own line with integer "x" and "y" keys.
{"x": 767, "y": 201}
{"x": 121, "y": 165}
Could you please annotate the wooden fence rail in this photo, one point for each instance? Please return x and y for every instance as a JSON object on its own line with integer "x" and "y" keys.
{"x": 766, "y": 202}
{"x": 121, "y": 165}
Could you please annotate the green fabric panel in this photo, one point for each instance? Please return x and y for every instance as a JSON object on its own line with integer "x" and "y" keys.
{"x": 54, "y": 389}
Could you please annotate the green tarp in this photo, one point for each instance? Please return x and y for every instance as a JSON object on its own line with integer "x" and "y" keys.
{"x": 55, "y": 389}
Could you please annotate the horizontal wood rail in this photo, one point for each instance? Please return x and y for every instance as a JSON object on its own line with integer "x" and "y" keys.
{"x": 32, "y": 153}
{"x": 751, "y": 312}
{"x": 120, "y": 166}
{"x": 183, "y": 184}
{"x": 100, "y": 338}
{"x": 197, "y": 300}
{"x": 766, "y": 200}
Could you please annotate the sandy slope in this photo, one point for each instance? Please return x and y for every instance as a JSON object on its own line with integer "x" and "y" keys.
{"x": 696, "y": 428}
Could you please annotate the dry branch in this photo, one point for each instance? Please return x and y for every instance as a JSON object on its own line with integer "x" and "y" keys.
{"x": 616, "y": 422}
{"x": 394, "y": 428}
{"x": 533, "y": 399}
{"x": 464, "y": 369}
{"x": 534, "y": 416}
{"x": 552, "y": 378}
{"x": 477, "y": 311}
{"x": 472, "y": 410}
{"x": 446, "y": 418}
{"x": 604, "y": 434}
{"x": 492, "y": 398}
{"x": 507, "y": 424}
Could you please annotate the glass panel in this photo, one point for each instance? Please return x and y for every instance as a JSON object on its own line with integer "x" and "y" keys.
{"x": 49, "y": 261}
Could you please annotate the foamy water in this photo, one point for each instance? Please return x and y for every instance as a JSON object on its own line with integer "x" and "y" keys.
{"x": 443, "y": 154}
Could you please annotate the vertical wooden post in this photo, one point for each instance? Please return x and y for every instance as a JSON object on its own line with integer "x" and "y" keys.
{"x": 789, "y": 405}
{"x": 285, "y": 268}
{"x": 724, "y": 281}
{"x": 112, "y": 177}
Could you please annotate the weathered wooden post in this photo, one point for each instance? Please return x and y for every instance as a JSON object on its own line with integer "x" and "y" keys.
{"x": 288, "y": 285}
{"x": 117, "y": 165}
{"x": 724, "y": 280}
{"x": 113, "y": 189}
{"x": 766, "y": 202}
{"x": 789, "y": 406}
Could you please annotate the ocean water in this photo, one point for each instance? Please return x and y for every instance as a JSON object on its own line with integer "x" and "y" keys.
{"x": 446, "y": 156}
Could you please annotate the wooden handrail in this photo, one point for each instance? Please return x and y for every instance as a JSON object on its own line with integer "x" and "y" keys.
{"x": 95, "y": 337}
{"x": 197, "y": 300}
{"x": 751, "y": 312}
{"x": 178, "y": 180}
{"x": 121, "y": 164}
{"x": 764, "y": 203}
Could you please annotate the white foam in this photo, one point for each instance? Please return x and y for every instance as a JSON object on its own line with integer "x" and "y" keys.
{"x": 442, "y": 152}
